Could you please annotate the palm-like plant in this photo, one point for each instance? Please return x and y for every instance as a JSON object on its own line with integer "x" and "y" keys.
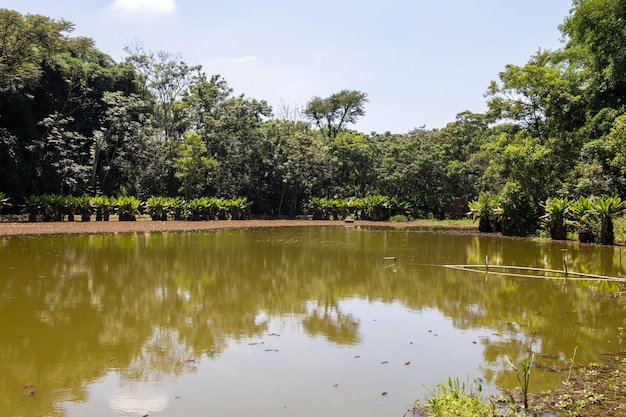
{"x": 585, "y": 219}
{"x": 177, "y": 207}
{"x": 377, "y": 206}
{"x": 85, "y": 207}
{"x": 198, "y": 208}
{"x": 483, "y": 210}
{"x": 46, "y": 206}
{"x": 216, "y": 208}
{"x": 356, "y": 206}
{"x": 128, "y": 208}
{"x": 555, "y": 218}
{"x": 32, "y": 205}
{"x": 4, "y": 201}
{"x": 315, "y": 205}
{"x": 606, "y": 208}
{"x": 238, "y": 207}
{"x": 71, "y": 207}
{"x": 158, "y": 207}
{"x": 103, "y": 205}
{"x": 399, "y": 206}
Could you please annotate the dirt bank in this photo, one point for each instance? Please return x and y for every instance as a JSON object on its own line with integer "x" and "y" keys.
{"x": 147, "y": 225}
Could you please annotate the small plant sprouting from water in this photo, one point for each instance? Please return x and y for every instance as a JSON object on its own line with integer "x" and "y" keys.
{"x": 457, "y": 399}
{"x": 523, "y": 376}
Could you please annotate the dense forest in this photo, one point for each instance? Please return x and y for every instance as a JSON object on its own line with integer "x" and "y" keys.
{"x": 73, "y": 121}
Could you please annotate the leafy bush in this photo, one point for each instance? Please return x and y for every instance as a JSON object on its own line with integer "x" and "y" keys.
{"x": 556, "y": 217}
{"x": 585, "y": 220}
{"x": 128, "y": 208}
{"x": 158, "y": 207}
{"x": 458, "y": 400}
{"x": 516, "y": 211}
{"x": 483, "y": 210}
{"x": 4, "y": 201}
{"x": 103, "y": 206}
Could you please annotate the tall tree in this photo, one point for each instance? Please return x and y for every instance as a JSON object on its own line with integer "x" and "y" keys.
{"x": 333, "y": 113}
{"x": 597, "y": 34}
{"x": 544, "y": 96}
{"x": 167, "y": 77}
{"x": 25, "y": 42}
{"x": 193, "y": 165}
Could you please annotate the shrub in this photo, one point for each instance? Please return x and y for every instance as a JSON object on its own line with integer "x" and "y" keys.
{"x": 128, "y": 208}
{"x": 459, "y": 400}
{"x": 516, "y": 211}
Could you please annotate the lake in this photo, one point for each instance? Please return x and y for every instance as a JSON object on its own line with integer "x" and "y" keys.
{"x": 306, "y": 321}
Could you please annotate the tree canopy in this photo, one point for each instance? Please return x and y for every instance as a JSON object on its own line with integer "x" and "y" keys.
{"x": 72, "y": 120}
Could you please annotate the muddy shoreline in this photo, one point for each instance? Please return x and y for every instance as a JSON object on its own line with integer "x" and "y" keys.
{"x": 148, "y": 225}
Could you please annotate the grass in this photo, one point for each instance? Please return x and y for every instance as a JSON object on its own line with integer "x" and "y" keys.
{"x": 595, "y": 390}
{"x": 456, "y": 399}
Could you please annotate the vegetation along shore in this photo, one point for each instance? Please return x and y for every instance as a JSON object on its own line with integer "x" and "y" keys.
{"x": 153, "y": 143}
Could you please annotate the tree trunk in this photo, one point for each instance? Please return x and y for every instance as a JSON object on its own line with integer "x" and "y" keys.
{"x": 484, "y": 225}
{"x": 558, "y": 231}
{"x": 607, "y": 237}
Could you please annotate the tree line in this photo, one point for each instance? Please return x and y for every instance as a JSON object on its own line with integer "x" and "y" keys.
{"x": 73, "y": 121}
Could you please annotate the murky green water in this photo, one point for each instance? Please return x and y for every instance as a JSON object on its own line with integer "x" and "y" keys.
{"x": 286, "y": 321}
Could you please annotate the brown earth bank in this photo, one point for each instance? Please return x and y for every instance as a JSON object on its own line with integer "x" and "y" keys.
{"x": 147, "y": 225}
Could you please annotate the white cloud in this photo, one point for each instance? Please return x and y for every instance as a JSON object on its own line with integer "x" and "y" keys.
{"x": 145, "y": 6}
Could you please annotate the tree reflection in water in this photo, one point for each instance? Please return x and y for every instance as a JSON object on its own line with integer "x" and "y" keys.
{"x": 163, "y": 306}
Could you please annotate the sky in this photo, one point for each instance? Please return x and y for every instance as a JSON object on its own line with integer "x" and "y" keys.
{"x": 421, "y": 62}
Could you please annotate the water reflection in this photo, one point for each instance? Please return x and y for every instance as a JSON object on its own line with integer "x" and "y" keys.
{"x": 154, "y": 315}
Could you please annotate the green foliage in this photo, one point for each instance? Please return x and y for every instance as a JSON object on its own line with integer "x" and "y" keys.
{"x": 199, "y": 208}
{"x": 84, "y": 205}
{"x": 158, "y": 207}
{"x": 103, "y": 206}
{"x": 128, "y": 208}
{"x": 458, "y": 400}
{"x": 541, "y": 97}
{"x": 377, "y": 207}
{"x": 555, "y": 218}
{"x": 32, "y": 206}
{"x": 238, "y": 207}
{"x": 585, "y": 219}
{"x": 4, "y": 201}
{"x": 193, "y": 166}
{"x": 331, "y": 114}
{"x": 516, "y": 212}
{"x": 27, "y": 42}
{"x": 523, "y": 377}
{"x": 177, "y": 207}
{"x": 328, "y": 208}
{"x": 483, "y": 210}
{"x": 157, "y": 126}
{"x": 597, "y": 34}
{"x": 606, "y": 208}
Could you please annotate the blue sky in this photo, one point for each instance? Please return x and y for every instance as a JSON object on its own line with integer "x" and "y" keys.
{"x": 420, "y": 62}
